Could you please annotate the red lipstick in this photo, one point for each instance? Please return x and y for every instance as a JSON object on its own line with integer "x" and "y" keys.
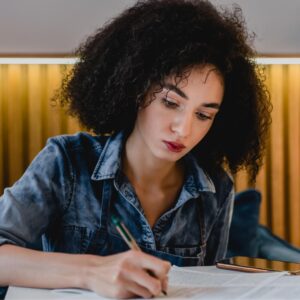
{"x": 174, "y": 147}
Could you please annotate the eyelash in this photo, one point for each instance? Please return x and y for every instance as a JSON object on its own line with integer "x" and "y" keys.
{"x": 173, "y": 105}
{"x": 169, "y": 104}
{"x": 203, "y": 117}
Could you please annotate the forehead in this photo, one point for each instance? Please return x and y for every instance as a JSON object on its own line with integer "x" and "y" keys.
{"x": 201, "y": 84}
{"x": 204, "y": 81}
{"x": 199, "y": 75}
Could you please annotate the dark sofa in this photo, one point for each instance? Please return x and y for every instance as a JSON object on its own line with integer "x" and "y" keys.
{"x": 249, "y": 238}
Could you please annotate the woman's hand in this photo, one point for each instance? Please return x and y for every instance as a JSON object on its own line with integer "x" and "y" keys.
{"x": 127, "y": 275}
{"x": 122, "y": 275}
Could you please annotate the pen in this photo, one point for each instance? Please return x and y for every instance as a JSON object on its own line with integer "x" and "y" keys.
{"x": 129, "y": 240}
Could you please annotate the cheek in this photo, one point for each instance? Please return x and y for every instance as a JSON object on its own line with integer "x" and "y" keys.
{"x": 144, "y": 117}
{"x": 149, "y": 120}
{"x": 200, "y": 133}
{"x": 159, "y": 120}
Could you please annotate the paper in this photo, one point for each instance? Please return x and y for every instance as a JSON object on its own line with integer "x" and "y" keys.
{"x": 212, "y": 283}
{"x": 195, "y": 283}
{"x": 287, "y": 287}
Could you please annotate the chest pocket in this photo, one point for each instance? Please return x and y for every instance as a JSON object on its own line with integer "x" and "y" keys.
{"x": 190, "y": 249}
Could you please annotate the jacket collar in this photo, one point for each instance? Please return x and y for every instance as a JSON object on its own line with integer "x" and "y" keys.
{"x": 109, "y": 163}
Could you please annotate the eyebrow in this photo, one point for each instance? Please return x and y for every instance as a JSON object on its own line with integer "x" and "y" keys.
{"x": 212, "y": 105}
{"x": 175, "y": 89}
{"x": 178, "y": 91}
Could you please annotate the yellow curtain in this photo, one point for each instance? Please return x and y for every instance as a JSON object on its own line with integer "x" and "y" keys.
{"x": 28, "y": 118}
{"x": 278, "y": 180}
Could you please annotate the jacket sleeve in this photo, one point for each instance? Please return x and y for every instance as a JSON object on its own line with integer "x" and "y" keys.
{"x": 37, "y": 198}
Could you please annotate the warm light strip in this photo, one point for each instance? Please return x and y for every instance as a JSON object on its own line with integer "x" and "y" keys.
{"x": 68, "y": 61}
{"x": 36, "y": 61}
{"x": 278, "y": 60}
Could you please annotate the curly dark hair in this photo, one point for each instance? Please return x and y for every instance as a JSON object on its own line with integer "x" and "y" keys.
{"x": 157, "y": 38}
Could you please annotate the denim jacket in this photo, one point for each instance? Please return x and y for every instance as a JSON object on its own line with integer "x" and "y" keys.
{"x": 68, "y": 193}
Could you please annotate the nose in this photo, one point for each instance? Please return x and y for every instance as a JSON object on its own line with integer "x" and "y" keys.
{"x": 182, "y": 125}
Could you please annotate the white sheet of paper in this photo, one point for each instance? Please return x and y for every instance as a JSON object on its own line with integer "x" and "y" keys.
{"x": 193, "y": 282}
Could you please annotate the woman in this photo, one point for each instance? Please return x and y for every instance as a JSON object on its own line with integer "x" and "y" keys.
{"x": 175, "y": 86}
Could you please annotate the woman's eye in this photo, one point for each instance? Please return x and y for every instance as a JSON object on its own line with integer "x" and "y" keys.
{"x": 169, "y": 104}
{"x": 203, "y": 117}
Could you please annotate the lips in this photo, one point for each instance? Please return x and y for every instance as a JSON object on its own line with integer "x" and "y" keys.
{"x": 174, "y": 147}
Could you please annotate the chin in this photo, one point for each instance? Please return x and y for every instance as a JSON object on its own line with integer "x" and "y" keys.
{"x": 166, "y": 155}
{"x": 171, "y": 157}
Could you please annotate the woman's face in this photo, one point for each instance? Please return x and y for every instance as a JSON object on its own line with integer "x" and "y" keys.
{"x": 180, "y": 115}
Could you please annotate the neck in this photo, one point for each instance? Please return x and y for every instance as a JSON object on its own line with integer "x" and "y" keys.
{"x": 141, "y": 167}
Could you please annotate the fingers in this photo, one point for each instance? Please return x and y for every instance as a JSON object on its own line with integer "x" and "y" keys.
{"x": 149, "y": 271}
{"x": 143, "y": 279}
{"x": 135, "y": 289}
{"x": 165, "y": 284}
{"x": 129, "y": 274}
{"x": 157, "y": 267}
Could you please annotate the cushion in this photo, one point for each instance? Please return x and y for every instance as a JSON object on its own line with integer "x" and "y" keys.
{"x": 272, "y": 247}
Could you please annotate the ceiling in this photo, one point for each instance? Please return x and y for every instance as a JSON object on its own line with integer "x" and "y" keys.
{"x": 58, "y": 26}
